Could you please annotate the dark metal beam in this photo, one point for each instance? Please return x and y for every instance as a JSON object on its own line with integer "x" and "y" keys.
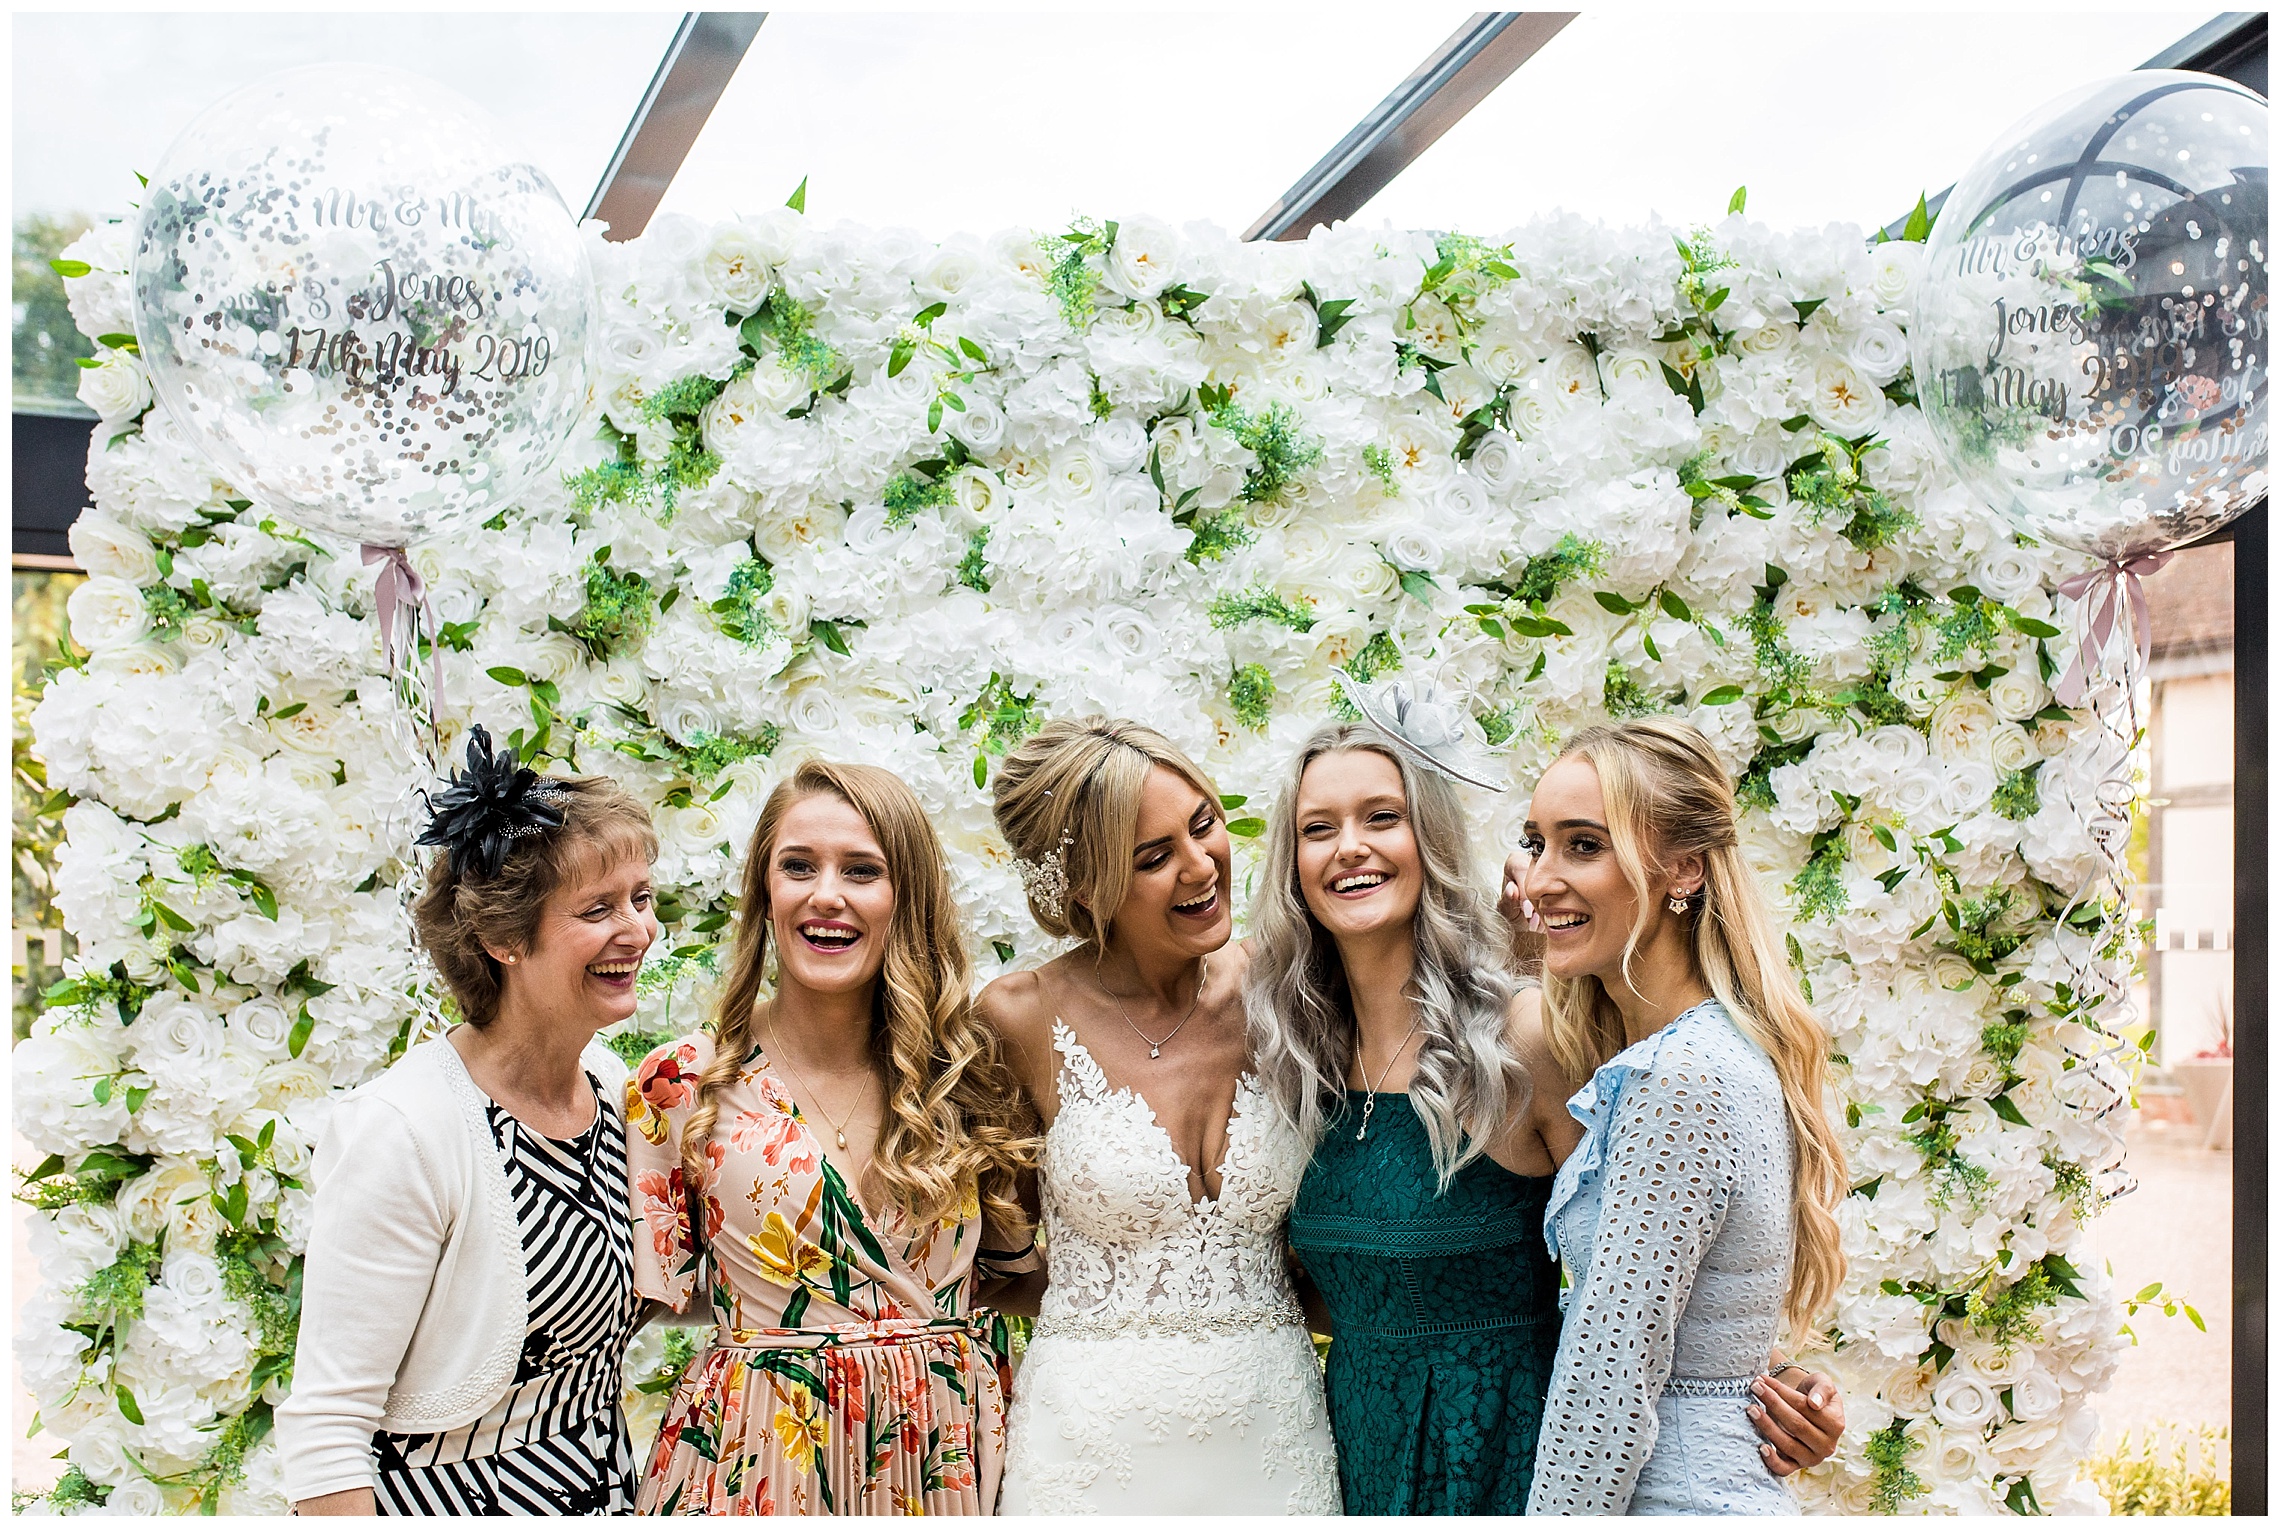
{"x": 2233, "y": 45}
{"x": 698, "y": 65}
{"x": 1456, "y": 78}
{"x": 2252, "y": 997}
{"x": 49, "y": 479}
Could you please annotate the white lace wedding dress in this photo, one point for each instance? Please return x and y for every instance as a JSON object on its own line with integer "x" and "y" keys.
{"x": 1170, "y": 1371}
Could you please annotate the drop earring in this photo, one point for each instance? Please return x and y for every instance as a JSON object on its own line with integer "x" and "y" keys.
{"x": 1678, "y": 904}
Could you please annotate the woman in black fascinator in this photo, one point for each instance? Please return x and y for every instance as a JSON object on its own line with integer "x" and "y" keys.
{"x": 468, "y": 1291}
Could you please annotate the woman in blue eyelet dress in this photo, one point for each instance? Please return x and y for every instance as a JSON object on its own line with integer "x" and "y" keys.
{"x": 1695, "y": 1217}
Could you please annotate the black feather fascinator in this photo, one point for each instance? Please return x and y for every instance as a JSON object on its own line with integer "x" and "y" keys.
{"x": 489, "y": 805}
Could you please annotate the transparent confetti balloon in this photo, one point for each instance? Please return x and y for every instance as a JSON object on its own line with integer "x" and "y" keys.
{"x": 2090, "y": 334}
{"x": 365, "y": 307}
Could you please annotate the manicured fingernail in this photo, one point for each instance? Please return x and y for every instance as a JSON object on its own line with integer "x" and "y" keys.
{"x": 1757, "y": 1411}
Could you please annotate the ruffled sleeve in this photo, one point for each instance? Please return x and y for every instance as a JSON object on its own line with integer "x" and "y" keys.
{"x": 1657, "y": 1137}
{"x": 667, "y": 1252}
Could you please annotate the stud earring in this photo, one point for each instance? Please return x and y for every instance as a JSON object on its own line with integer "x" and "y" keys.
{"x": 1678, "y": 904}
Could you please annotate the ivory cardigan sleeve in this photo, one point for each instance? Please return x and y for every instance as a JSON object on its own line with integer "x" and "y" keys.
{"x": 382, "y": 1222}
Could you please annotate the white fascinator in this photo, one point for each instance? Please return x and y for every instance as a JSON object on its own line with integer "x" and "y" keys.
{"x": 1425, "y": 727}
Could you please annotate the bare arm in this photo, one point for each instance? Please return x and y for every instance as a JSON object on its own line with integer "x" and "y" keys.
{"x": 356, "y": 1503}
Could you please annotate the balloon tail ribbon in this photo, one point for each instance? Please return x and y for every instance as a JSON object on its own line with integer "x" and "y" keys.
{"x": 2113, "y": 589}
{"x": 401, "y": 591}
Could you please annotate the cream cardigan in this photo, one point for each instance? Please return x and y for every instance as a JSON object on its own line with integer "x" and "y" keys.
{"x": 413, "y": 1306}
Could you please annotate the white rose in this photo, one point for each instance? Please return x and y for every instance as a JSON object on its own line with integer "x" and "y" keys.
{"x": 1893, "y": 268}
{"x": 2008, "y": 573}
{"x": 2011, "y": 747}
{"x": 1433, "y": 328}
{"x": 1414, "y": 548}
{"x": 1360, "y": 574}
{"x": 2017, "y": 695}
{"x": 813, "y": 712}
{"x": 1119, "y": 443}
{"x": 108, "y": 549}
{"x": 980, "y": 426}
{"x": 107, "y": 613}
{"x": 1073, "y": 475}
{"x": 1962, "y": 726}
{"x": 264, "y": 1024}
{"x": 1879, "y": 349}
{"x": 737, "y": 267}
{"x": 203, "y": 633}
{"x": 1961, "y": 1400}
{"x": 1129, "y": 635}
{"x": 1145, "y": 258}
{"x": 978, "y": 491}
{"x": 1845, "y": 400}
{"x": 949, "y": 274}
{"x": 117, "y": 389}
{"x": 136, "y": 1498}
{"x": 693, "y": 830}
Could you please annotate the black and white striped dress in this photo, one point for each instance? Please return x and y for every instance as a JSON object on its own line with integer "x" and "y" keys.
{"x": 556, "y": 1443}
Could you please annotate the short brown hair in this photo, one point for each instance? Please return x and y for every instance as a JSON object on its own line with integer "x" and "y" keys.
{"x": 458, "y": 915}
{"x": 1081, "y": 780}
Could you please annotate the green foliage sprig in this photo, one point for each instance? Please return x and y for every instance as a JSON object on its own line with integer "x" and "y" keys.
{"x": 1895, "y": 1482}
{"x": 1251, "y": 695}
{"x": 1261, "y": 603}
{"x": 1281, "y": 450}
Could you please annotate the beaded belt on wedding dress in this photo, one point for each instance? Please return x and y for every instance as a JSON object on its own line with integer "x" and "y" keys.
{"x": 1223, "y": 1321}
{"x": 1738, "y": 1386}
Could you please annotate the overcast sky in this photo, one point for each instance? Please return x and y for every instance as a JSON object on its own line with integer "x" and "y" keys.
{"x": 954, "y": 121}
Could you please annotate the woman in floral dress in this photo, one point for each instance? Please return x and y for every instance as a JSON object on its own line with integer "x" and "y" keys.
{"x": 821, "y": 1178}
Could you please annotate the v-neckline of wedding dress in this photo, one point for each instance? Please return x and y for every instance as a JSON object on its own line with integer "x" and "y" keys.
{"x": 1240, "y": 1112}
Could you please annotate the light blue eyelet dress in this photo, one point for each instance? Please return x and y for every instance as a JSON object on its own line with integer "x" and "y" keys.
{"x": 1673, "y": 1216}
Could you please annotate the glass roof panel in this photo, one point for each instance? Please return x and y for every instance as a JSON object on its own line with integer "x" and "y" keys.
{"x": 1824, "y": 116}
{"x": 101, "y": 93}
{"x": 973, "y": 123}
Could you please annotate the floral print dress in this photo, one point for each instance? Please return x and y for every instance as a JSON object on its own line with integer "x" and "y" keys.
{"x": 848, "y": 1372}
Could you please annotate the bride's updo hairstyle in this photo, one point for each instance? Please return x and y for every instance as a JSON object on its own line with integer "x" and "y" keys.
{"x": 1469, "y": 1081}
{"x": 1068, "y": 802}
{"x": 1667, "y": 797}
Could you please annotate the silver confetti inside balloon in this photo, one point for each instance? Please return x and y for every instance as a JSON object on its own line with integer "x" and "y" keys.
{"x": 2091, "y": 335}
{"x": 362, "y": 304}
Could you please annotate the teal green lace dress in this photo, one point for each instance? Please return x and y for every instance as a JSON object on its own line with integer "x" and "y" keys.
{"x": 1445, "y": 1314}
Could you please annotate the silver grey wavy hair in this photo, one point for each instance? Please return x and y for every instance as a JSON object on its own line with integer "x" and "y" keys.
{"x": 1469, "y": 1081}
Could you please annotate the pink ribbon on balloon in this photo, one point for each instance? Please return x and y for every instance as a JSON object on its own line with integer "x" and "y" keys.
{"x": 2115, "y": 585}
{"x": 399, "y": 583}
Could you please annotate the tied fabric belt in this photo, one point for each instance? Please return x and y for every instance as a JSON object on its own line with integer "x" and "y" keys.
{"x": 860, "y": 1334}
{"x": 1738, "y": 1386}
{"x": 1217, "y": 1321}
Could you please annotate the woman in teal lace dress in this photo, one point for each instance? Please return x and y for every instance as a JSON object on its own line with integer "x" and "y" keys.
{"x": 1385, "y": 1024}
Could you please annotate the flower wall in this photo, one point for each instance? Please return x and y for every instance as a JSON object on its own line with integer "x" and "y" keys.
{"x": 857, "y": 494}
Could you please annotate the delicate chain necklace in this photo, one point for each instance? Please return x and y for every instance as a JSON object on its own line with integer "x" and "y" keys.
{"x": 838, "y": 1131}
{"x": 1156, "y": 1047}
{"x": 1369, "y": 1103}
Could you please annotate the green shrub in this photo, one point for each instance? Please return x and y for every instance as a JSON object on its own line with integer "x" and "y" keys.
{"x": 2168, "y": 1472}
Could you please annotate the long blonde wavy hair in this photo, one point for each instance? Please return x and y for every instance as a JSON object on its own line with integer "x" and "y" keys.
{"x": 1667, "y": 797}
{"x": 1469, "y": 1081}
{"x": 956, "y": 1119}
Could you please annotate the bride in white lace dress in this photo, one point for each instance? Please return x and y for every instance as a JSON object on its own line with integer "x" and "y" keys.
{"x": 1171, "y": 1370}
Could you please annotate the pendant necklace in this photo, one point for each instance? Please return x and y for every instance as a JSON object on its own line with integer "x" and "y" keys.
{"x": 838, "y": 1131}
{"x": 1369, "y": 1103}
{"x": 1156, "y": 1047}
